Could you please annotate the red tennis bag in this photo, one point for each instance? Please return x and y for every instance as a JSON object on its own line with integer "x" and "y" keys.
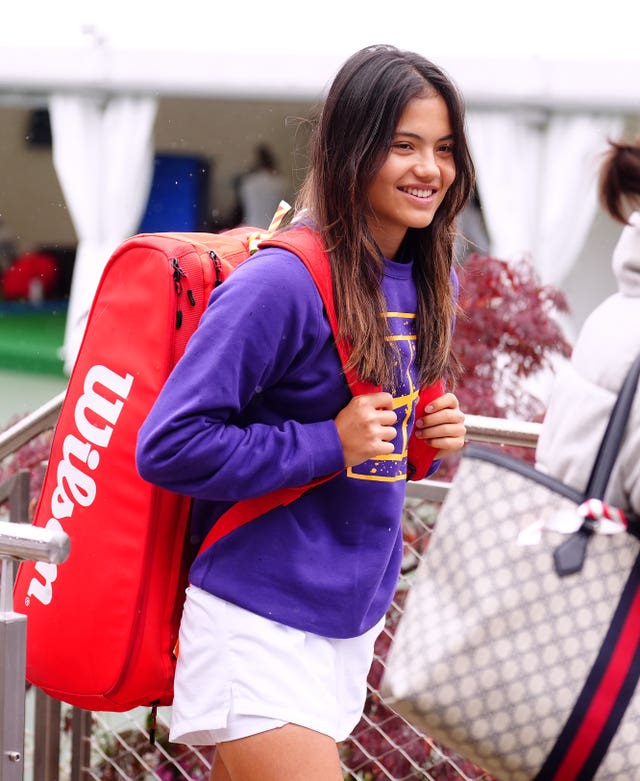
{"x": 102, "y": 627}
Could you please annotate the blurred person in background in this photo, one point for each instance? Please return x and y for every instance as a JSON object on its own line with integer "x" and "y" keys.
{"x": 261, "y": 189}
{"x": 584, "y": 391}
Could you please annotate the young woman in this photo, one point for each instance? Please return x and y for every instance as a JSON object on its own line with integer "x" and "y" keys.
{"x": 281, "y": 615}
{"x": 585, "y": 390}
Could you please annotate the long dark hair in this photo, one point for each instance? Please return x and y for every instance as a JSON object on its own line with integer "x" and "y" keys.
{"x": 620, "y": 179}
{"x": 349, "y": 145}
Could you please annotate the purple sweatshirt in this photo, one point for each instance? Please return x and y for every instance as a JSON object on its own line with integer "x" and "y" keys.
{"x": 249, "y": 408}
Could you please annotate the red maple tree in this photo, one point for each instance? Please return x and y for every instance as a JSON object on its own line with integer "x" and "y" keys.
{"x": 507, "y": 331}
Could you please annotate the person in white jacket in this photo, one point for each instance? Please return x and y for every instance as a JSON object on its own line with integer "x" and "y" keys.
{"x": 585, "y": 390}
{"x": 261, "y": 190}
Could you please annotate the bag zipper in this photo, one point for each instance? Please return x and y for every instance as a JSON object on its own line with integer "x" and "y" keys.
{"x": 178, "y": 276}
{"x": 217, "y": 268}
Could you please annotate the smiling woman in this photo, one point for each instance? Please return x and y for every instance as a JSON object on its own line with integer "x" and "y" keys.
{"x": 415, "y": 177}
{"x": 390, "y": 172}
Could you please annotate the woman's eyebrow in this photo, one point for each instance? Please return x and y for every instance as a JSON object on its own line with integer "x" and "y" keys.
{"x": 417, "y": 136}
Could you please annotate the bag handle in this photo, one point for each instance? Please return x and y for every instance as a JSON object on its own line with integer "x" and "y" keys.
{"x": 613, "y": 435}
{"x": 569, "y": 556}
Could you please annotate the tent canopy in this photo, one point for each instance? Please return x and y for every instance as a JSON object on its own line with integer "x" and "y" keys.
{"x": 545, "y": 85}
{"x": 557, "y": 55}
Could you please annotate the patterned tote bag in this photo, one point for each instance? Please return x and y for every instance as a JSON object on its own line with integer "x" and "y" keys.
{"x": 519, "y": 645}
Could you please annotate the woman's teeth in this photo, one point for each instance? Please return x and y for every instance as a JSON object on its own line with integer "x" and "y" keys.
{"x": 418, "y": 193}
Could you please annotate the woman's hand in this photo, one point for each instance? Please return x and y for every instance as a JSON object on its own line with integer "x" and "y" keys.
{"x": 443, "y": 425}
{"x": 366, "y": 427}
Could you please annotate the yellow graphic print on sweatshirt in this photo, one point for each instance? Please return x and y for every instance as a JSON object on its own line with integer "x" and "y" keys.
{"x": 393, "y": 467}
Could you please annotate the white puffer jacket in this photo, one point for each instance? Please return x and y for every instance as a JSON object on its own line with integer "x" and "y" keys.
{"x": 585, "y": 390}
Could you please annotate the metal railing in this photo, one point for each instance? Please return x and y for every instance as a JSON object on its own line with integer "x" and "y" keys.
{"x": 27, "y": 428}
{"x": 21, "y": 541}
{"x": 479, "y": 428}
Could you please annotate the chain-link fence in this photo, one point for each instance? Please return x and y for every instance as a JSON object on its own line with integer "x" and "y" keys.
{"x": 383, "y": 746}
{"x": 75, "y": 745}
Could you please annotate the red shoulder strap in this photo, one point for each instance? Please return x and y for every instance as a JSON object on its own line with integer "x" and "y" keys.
{"x": 421, "y": 454}
{"x": 309, "y": 248}
{"x": 307, "y": 245}
{"x": 249, "y": 509}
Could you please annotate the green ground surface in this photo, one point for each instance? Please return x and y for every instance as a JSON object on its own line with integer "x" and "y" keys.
{"x": 30, "y": 338}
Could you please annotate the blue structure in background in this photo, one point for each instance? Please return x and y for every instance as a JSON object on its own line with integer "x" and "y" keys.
{"x": 178, "y": 200}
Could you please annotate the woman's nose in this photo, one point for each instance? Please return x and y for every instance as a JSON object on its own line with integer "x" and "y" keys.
{"x": 426, "y": 165}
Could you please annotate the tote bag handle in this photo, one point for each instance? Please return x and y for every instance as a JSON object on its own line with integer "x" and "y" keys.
{"x": 613, "y": 435}
{"x": 569, "y": 556}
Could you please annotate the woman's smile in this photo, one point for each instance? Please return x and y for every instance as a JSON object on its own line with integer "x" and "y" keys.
{"x": 416, "y": 175}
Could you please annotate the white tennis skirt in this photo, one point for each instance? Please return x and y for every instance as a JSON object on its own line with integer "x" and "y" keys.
{"x": 239, "y": 674}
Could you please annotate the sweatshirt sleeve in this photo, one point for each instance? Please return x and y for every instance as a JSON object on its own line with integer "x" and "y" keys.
{"x": 207, "y": 436}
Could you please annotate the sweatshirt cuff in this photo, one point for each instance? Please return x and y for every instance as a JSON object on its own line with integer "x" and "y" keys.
{"x": 324, "y": 448}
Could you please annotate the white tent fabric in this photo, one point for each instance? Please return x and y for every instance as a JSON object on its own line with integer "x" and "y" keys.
{"x": 537, "y": 178}
{"x": 103, "y": 155}
{"x": 567, "y": 197}
{"x": 505, "y": 149}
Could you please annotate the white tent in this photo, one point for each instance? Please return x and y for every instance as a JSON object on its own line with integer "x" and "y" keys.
{"x": 561, "y": 54}
{"x": 545, "y": 85}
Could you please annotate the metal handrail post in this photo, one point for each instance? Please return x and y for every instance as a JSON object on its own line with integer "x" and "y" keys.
{"x": 18, "y": 541}
{"x": 46, "y": 753}
{"x": 81, "y": 745}
{"x": 19, "y": 497}
{"x": 12, "y": 647}
{"x": 13, "y": 636}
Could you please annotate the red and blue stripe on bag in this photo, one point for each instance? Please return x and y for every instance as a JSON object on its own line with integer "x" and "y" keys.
{"x": 602, "y": 703}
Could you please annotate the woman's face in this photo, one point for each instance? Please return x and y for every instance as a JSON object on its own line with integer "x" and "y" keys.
{"x": 414, "y": 179}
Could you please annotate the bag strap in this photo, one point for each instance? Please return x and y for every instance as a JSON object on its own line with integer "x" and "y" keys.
{"x": 613, "y": 435}
{"x": 308, "y": 246}
{"x": 569, "y": 556}
{"x": 247, "y": 510}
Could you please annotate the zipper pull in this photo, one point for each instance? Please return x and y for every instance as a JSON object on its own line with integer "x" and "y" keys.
{"x": 218, "y": 268}
{"x": 178, "y": 274}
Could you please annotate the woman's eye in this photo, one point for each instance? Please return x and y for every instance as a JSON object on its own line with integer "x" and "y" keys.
{"x": 446, "y": 148}
{"x": 405, "y": 145}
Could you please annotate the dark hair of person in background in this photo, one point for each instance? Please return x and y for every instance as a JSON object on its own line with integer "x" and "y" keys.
{"x": 348, "y": 147}
{"x": 264, "y": 159}
{"x": 620, "y": 180}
